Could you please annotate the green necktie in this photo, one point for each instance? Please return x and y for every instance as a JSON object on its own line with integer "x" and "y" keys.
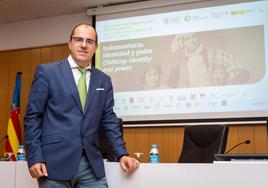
{"x": 82, "y": 87}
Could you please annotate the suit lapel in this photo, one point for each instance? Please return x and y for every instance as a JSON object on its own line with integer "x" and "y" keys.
{"x": 70, "y": 82}
{"x": 91, "y": 89}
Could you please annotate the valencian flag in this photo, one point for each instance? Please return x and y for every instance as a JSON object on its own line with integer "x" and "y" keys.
{"x": 13, "y": 130}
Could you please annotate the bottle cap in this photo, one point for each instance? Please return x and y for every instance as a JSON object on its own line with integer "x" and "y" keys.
{"x": 154, "y": 146}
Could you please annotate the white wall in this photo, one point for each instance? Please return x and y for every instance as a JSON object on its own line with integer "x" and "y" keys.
{"x": 39, "y": 32}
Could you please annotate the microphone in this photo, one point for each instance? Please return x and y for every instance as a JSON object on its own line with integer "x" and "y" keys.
{"x": 244, "y": 142}
{"x": 3, "y": 138}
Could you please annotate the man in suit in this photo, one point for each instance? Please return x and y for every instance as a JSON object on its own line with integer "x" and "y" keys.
{"x": 62, "y": 120}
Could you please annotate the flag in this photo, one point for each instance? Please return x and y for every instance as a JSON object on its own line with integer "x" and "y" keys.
{"x": 13, "y": 129}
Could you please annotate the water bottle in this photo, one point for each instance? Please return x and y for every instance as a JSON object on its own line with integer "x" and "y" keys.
{"x": 154, "y": 155}
{"x": 21, "y": 154}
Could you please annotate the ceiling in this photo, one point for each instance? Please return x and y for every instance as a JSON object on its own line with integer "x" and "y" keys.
{"x": 19, "y": 10}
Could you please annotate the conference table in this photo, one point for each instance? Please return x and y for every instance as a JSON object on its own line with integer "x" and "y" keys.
{"x": 241, "y": 174}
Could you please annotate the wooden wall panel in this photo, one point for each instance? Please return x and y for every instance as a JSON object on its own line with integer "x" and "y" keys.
{"x": 25, "y": 84}
{"x": 57, "y": 53}
{"x": 180, "y": 143}
{"x": 232, "y": 137}
{"x": 25, "y": 61}
{"x": 46, "y": 55}
{"x": 14, "y": 68}
{"x": 245, "y": 132}
{"x": 129, "y": 136}
{"x": 66, "y": 49}
{"x": 4, "y": 106}
{"x": 169, "y": 139}
{"x": 142, "y": 142}
{"x": 260, "y": 140}
{"x": 35, "y": 59}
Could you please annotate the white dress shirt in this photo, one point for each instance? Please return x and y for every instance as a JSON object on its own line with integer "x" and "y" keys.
{"x": 76, "y": 72}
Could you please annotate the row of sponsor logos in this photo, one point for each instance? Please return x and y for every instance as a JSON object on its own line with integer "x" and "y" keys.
{"x": 214, "y": 15}
{"x": 190, "y": 106}
{"x": 179, "y": 105}
{"x": 178, "y": 98}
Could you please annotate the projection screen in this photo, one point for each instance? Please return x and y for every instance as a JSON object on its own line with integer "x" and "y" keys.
{"x": 187, "y": 62}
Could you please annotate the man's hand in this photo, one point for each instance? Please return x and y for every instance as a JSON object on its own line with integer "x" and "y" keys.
{"x": 129, "y": 164}
{"x": 38, "y": 170}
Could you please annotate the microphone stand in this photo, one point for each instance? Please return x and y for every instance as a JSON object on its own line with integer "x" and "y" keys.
{"x": 244, "y": 142}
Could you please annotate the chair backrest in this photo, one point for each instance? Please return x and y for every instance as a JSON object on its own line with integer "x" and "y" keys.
{"x": 105, "y": 148}
{"x": 202, "y": 142}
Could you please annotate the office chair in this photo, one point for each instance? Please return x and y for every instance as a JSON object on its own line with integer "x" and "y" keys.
{"x": 202, "y": 142}
{"x": 105, "y": 148}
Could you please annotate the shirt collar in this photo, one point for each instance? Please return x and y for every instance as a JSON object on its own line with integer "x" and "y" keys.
{"x": 73, "y": 64}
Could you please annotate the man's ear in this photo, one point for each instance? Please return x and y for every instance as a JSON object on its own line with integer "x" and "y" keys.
{"x": 69, "y": 44}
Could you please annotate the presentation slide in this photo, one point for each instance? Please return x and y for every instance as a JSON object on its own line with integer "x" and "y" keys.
{"x": 201, "y": 63}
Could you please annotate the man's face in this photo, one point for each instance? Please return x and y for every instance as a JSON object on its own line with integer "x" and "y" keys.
{"x": 83, "y": 44}
{"x": 191, "y": 42}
